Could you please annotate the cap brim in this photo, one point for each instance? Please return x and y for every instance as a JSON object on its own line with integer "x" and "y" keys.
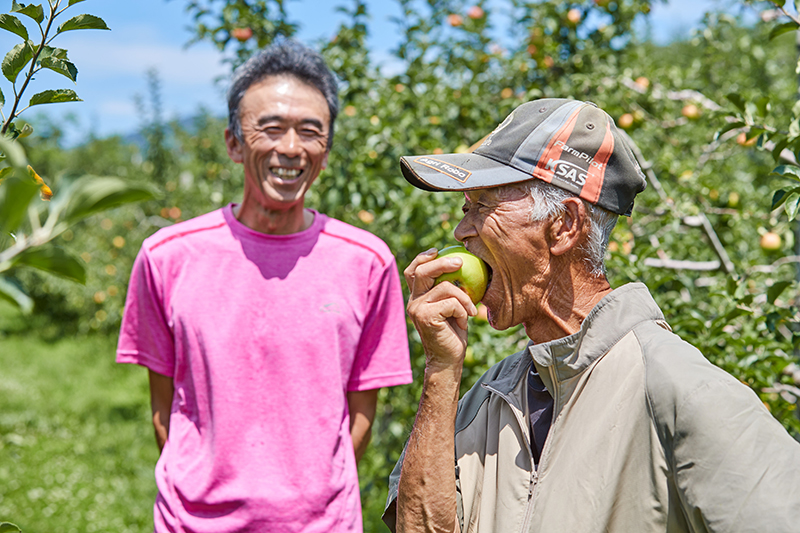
{"x": 458, "y": 172}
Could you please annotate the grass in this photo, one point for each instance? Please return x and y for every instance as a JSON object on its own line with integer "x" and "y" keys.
{"x": 76, "y": 447}
{"x": 77, "y": 451}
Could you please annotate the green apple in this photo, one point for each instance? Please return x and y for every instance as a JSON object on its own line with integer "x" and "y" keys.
{"x": 472, "y": 277}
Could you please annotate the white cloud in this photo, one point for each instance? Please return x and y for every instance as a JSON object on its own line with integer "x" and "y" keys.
{"x": 117, "y": 108}
{"x": 175, "y": 64}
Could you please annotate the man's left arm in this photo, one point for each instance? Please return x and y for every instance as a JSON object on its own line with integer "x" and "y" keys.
{"x": 735, "y": 467}
{"x": 362, "y": 405}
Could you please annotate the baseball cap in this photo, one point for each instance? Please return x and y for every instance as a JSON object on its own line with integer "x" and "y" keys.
{"x": 571, "y": 144}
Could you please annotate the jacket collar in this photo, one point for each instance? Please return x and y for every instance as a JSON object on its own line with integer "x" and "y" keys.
{"x": 610, "y": 320}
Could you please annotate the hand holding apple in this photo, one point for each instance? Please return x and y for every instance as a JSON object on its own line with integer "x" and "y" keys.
{"x": 472, "y": 277}
{"x": 440, "y": 312}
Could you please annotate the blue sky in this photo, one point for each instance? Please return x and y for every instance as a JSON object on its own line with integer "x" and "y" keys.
{"x": 149, "y": 34}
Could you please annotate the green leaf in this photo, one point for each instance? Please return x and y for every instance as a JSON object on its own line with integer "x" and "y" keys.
{"x": 763, "y": 106}
{"x": 779, "y": 197}
{"x": 8, "y": 527}
{"x": 33, "y": 11}
{"x": 792, "y": 204}
{"x": 6, "y": 172}
{"x": 780, "y": 29}
{"x": 91, "y": 195}
{"x": 735, "y": 313}
{"x": 12, "y": 24}
{"x": 16, "y": 59}
{"x": 13, "y": 152}
{"x": 54, "y": 96}
{"x": 2, "y": 99}
{"x": 54, "y": 260}
{"x": 728, "y": 127}
{"x": 83, "y": 22}
{"x": 15, "y": 196}
{"x": 780, "y": 145}
{"x": 787, "y": 171}
{"x": 64, "y": 68}
{"x": 49, "y": 51}
{"x": 10, "y": 292}
{"x": 73, "y": 2}
{"x": 776, "y": 289}
{"x": 737, "y": 100}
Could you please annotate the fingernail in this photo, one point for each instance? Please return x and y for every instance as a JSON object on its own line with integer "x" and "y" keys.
{"x": 430, "y": 252}
{"x": 455, "y": 261}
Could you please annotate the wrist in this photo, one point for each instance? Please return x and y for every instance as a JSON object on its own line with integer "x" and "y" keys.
{"x": 443, "y": 376}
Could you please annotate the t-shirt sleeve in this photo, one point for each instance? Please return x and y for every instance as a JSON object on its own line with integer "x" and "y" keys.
{"x": 382, "y": 359}
{"x": 145, "y": 335}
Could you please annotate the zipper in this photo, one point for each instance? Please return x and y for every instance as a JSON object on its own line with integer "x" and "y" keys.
{"x": 535, "y": 474}
{"x": 534, "y": 478}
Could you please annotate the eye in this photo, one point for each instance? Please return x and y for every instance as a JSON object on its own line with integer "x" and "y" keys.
{"x": 311, "y": 133}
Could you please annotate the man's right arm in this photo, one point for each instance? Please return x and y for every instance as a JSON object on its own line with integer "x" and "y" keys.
{"x": 161, "y": 391}
{"x": 426, "y": 499}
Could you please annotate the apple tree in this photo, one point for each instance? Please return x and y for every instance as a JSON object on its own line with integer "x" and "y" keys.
{"x": 695, "y": 235}
{"x": 31, "y": 215}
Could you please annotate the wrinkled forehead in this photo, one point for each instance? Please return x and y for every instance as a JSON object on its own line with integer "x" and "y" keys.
{"x": 504, "y": 193}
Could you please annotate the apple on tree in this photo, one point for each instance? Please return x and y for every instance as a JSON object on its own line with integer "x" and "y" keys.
{"x": 472, "y": 277}
{"x": 770, "y": 241}
{"x": 241, "y": 34}
{"x": 455, "y": 20}
{"x": 475, "y": 12}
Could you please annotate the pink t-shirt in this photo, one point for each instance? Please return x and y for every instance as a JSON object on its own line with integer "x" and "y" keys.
{"x": 263, "y": 335}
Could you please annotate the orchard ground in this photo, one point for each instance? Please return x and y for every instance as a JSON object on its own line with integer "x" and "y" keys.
{"x": 77, "y": 451}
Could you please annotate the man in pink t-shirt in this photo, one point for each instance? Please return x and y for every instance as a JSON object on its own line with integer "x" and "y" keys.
{"x": 267, "y": 327}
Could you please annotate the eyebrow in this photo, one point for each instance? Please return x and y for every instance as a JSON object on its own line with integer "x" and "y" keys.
{"x": 279, "y": 118}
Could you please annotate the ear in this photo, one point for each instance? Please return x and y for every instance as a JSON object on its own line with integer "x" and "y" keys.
{"x": 234, "y": 146}
{"x": 569, "y": 229}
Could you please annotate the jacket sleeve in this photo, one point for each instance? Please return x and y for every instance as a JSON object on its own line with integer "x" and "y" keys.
{"x": 390, "y": 511}
{"x": 735, "y": 468}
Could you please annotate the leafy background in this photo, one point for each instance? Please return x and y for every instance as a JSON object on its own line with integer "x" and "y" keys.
{"x": 712, "y": 116}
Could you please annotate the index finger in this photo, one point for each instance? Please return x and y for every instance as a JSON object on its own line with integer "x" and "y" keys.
{"x": 410, "y": 272}
{"x": 426, "y": 272}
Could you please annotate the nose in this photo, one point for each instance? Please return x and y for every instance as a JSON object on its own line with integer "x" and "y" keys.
{"x": 289, "y": 144}
{"x": 465, "y": 229}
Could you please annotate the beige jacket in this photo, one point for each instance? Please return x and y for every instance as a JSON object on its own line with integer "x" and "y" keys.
{"x": 647, "y": 436}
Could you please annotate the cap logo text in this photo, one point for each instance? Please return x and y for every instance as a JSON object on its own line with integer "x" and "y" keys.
{"x": 567, "y": 171}
{"x": 580, "y": 155}
{"x": 457, "y": 173}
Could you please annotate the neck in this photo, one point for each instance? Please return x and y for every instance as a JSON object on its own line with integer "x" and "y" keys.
{"x": 274, "y": 221}
{"x": 566, "y": 302}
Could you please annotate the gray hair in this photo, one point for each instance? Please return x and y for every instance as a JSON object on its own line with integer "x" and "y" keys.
{"x": 548, "y": 202}
{"x": 288, "y": 58}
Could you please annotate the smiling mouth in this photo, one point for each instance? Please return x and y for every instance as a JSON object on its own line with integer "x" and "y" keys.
{"x": 288, "y": 174}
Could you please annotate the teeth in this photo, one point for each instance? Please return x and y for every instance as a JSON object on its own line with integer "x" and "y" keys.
{"x": 289, "y": 173}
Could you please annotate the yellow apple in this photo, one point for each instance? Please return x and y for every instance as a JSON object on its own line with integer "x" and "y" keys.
{"x": 770, "y": 241}
{"x": 625, "y": 121}
{"x": 690, "y": 111}
{"x": 574, "y": 16}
